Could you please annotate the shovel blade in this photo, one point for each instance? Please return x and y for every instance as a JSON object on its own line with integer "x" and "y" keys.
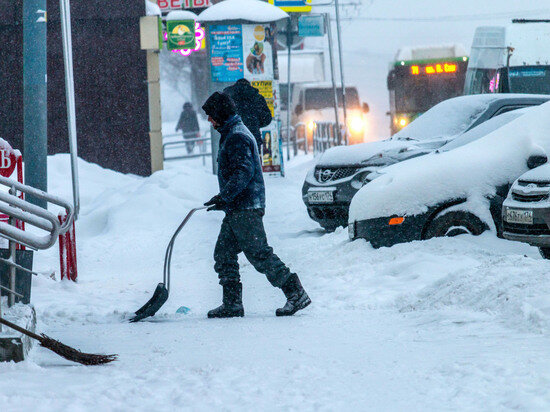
{"x": 153, "y": 305}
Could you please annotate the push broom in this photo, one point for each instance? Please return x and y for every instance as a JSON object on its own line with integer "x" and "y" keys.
{"x": 61, "y": 349}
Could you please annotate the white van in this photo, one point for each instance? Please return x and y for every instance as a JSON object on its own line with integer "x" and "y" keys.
{"x": 510, "y": 59}
{"x": 315, "y": 103}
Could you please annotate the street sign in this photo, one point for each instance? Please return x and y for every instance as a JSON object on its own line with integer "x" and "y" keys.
{"x": 311, "y": 25}
{"x": 302, "y": 6}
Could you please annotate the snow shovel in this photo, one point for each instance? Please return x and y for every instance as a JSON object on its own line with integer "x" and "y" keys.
{"x": 160, "y": 296}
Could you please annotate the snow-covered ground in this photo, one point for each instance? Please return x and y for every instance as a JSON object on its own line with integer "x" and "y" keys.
{"x": 461, "y": 323}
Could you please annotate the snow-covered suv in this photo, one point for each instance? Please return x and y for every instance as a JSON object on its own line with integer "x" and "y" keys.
{"x": 451, "y": 192}
{"x": 341, "y": 171}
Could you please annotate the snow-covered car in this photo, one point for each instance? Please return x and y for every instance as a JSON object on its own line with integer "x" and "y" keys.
{"x": 451, "y": 192}
{"x": 341, "y": 171}
{"x": 526, "y": 210}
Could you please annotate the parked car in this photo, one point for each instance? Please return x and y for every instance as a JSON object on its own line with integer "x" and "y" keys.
{"x": 315, "y": 103}
{"x": 341, "y": 171}
{"x": 451, "y": 192}
{"x": 526, "y": 210}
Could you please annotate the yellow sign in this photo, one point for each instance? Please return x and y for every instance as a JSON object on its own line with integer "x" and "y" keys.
{"x": 265, "y": 87}
{"x": 302, "y": 6}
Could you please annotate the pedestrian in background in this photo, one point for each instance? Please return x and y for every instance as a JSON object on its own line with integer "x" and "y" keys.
{"x": 242, "y": 198}
{"x": 251, "y": 106}
{"x": 189, "y": 125}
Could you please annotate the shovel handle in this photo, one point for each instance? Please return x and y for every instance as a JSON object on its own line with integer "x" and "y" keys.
{"x": 168, "y": 255}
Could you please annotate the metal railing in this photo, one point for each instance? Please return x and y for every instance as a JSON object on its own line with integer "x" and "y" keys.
{"x": 188, "y": 141}
{"x": 298, "y": 140}
{"x": 19, "y": 209}
{"x": 325, "y": 136}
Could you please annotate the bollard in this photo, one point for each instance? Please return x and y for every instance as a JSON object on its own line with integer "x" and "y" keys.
{"x": 67, "y": 251}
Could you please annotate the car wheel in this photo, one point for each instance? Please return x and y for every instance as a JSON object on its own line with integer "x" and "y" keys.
{"x": 454, "y": 224}
{"x": 545, "y": 252}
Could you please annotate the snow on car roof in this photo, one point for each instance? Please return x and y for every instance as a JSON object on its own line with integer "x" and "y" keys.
{"x": 251, "y": 10}
{"x": 471, "y": 171}
{"x": 459, "y": 114}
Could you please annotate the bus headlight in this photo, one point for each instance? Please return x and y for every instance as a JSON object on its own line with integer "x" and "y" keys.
{"x": 357, "y": 124}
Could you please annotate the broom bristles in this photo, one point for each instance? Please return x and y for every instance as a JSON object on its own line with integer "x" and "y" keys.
{"x": 73, "y": 354}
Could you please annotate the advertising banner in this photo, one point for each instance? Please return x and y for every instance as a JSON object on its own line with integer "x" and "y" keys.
{"x": 258, "y": 53}
{"x": 181, "y": 34}
{"x": 271, "y": 147}
{"x": 226, "y": 53}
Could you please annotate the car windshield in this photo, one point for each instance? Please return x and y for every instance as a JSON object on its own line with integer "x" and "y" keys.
{"x": 446, "y": 119}
{"x": 484, "y": 129}
{"x": 322, "y": 98}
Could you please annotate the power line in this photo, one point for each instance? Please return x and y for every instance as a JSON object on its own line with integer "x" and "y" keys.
{"x": 469, "y": 17}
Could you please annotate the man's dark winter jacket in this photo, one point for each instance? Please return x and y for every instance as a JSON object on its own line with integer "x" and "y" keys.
{"x": 251, "y": 106}
{"x": 239, "y": 168}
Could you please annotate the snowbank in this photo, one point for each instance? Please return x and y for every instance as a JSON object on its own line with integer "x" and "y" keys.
{"x": 251, "y": 10}
{"x": 470, "y": 171}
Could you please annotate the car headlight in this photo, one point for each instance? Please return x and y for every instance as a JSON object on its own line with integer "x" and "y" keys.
{"x": 311, "y": 125}
{"x": 401, "y": 121}
{"x": 357, "y": 124}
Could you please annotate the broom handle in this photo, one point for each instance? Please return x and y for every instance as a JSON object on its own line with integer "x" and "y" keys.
{"x": 20, "y": 329}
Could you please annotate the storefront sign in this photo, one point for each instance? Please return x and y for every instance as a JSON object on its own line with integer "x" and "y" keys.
{"x": 226, "y": 53}
{"x": 181, "y": 34}
{"x": 168, "y": 5}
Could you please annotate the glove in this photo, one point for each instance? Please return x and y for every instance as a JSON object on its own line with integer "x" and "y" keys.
{"x": 216, "y": 203}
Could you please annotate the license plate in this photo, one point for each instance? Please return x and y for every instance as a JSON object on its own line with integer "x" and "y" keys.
{"x": 519, "y": 216}
{"x": 320, "y": 197}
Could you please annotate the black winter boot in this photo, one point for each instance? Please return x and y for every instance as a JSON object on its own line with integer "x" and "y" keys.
{"x": 297, "y": 297}
{"x": 232, "y": 303}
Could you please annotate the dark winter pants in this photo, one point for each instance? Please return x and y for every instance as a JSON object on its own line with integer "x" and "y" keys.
{"x": 243, "y": 231}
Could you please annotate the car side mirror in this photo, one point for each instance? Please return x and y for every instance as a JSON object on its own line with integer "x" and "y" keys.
{"x": 298, "y": 109}
{"x": 536, "y": 160}
{"x": 365, "y": 108}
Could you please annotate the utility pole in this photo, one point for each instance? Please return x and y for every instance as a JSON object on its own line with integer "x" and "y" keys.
{"x": 338, "y": 32}
{"x": 35, "y": 111}
{"x": 334, "y": 89}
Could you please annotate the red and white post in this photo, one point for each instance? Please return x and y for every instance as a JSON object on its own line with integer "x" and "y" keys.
{"x": 67, "y": 251}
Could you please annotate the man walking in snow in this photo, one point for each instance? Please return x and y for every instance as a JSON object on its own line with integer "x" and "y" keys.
{"x": 251, "y": 106}
{"x": 242, "y": 198}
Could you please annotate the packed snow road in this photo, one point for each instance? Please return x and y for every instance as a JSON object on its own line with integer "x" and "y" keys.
{"x": 459, "y": 323}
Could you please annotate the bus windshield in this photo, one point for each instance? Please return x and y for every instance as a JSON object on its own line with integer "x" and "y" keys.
{"x": 322, "y": 98}
{"x": 418, "y": 94}
{"x": 529, "y": 79}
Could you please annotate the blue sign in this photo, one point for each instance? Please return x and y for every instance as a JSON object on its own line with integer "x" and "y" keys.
{"x": 311, "y": 26}
{"x": 226, "y": 52}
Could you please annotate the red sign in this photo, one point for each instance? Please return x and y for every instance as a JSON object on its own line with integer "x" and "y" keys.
{"x": 8, "y": 158}
{"x": 167, "y": 5}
